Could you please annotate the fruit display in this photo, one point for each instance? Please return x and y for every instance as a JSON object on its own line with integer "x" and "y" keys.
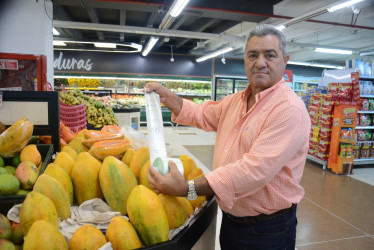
{"x": 96, "y": 113}
{"x": 77, "y": 175}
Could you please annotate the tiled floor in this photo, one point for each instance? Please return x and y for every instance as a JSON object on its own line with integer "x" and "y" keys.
{"x": 336, "y": 212}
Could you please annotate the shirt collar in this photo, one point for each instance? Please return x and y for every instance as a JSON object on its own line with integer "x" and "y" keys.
{"x": 263, "y": 93}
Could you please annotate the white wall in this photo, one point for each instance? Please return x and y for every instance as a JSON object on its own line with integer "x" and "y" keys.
{"x": 26, "y": 28}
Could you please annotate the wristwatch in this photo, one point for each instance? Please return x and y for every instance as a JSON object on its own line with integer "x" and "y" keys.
{"x": 191, "y": 195}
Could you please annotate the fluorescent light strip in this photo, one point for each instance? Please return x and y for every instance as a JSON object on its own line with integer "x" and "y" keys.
{"x": 152, "y": 41}
{"x": 315, "y": 65}
{"x": 55, "y": 32}
{"x": 281, "y": 27}
{"x": 214, "y": 54}
{"x": 342, "y": 5}
{"x": 334, "y": 51}
{"x": 177, "y": 7}
{"x": 105, "y": 45}
{"x": 59, "y": 43}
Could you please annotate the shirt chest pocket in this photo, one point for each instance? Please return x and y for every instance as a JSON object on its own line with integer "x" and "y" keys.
{"x": 247, "y": 137}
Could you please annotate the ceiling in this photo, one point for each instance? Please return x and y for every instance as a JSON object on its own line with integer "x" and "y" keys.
{"x": 208, "y": 25}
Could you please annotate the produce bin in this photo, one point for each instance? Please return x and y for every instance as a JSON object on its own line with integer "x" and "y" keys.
{"x": 8, "y": 201}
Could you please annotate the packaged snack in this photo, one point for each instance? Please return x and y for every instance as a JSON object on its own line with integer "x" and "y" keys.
{"x": 371, "y": 151}
{"x": 365, "y": 120}
{"x": 346, "y": 133}
{"x": 365, "y": 104}
{"x": 365, "y": 150}
{"x": 356, "y": 150}
{"x": 361, "y": 135}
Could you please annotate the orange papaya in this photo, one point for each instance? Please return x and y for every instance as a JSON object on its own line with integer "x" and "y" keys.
{"x": 87, "y": 237}
{"x": 44, "y": 235}
{"x": 106, "y": 148}
{"x": 122, "y": 235}
{"x": 116, "y": 182}
{"x": 85, "y": 178}
{"x": 174, "y": 209}
{"x": 141, "y": 156}
{"x": 148, "y": 216}
{"x": 60, "y": 174}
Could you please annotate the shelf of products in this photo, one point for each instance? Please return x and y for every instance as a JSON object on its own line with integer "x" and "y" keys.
{"x": 364, "y": 145}
{"x": 132, "y": 88}
{"x": 315, "y": 159}
{"x": 301, "y": 84}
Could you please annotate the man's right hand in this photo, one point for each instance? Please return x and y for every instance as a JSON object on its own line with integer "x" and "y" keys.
{"x": 169, "y": 99}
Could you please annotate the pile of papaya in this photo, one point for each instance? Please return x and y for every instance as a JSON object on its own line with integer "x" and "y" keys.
{"x": 99, "y": 164}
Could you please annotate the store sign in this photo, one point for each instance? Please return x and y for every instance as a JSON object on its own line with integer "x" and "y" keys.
{"x": 62, "y": 63}
{"x": 10, "y": 64}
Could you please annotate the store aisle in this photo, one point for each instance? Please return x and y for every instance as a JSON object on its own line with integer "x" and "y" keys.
{"x": 336, "y": 212}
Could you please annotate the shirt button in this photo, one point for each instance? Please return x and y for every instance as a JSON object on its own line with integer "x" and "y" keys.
{"x": 243, "y": 113}
{"x": 226, "y": 150}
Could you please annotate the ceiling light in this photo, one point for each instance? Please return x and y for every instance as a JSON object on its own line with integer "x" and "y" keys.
{"x": 342, "y": 5}
{"x": 214, "y": 54}
{"x": 59, "y": 43}
{"x": 281, "y": 27}
{"x": 152, "y": 41}
{"x": 55, "y": 32}
{"x": 318, "y": 65}
{"x": 105, "y": 45}
{"x": 177, "y": 7}
{"x": 334, "y": 51}
{"x": 366, "y": 53}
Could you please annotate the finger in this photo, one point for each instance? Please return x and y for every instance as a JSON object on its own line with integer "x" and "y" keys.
{"x": 173, "y": 168}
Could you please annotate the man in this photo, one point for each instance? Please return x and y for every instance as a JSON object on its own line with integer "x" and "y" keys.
{"x": 260, "y": 151}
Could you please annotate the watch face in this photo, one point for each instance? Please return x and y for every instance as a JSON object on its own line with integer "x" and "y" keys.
{"x": 192, "y": 196}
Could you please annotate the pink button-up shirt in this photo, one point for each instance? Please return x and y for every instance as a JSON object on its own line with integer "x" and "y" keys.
{"x": 259, "y": 155}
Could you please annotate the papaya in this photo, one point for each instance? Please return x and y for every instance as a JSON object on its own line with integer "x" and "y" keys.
{"x": 188, "y": 164}
{"x": 63, "y": 143}
{"x": 9, "y": 184}
{"x": 106, "y": 148}
{"x": 5, "y": 228}
{"x": 60, "y": 174}
{"x": 85, "y": 177}
{"x": 66, "y": 133}
{"x": 27, "y": 174}
{"x": 44, "y": 235}
{"x": 116, "y": 182}
{"x": 31, "y": 153}
{"x": 45, "y": 139}
{"x": 128, "y": 156}
{"x": 101, "y": 136}
{"x": 87, "y": 237}
{"x": 174, "y": 209}
{"x": 77, "y": 144}
{"x": 6, "y": 245}
{"x": 143, "y": 176}
{"x": 65, "y": 161}
{"x": 54, "y": 190}
{"x": 187, "y": 205}
{"x": 35, "y": 207}
{"x": 148, "y": 216}
{"x": 15, "y": 138}
{"x": 141, "y": 156}
{"x": 17, "y": 233}
{"x": 113, "y": 129}
{"x": 122, "y": 235}
{"x": 73, "y": 154}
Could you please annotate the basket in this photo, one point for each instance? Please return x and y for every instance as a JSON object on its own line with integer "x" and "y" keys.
{"x": 74, "y": 117}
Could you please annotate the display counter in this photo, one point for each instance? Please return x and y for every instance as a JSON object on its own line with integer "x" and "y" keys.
{"x": 128, "y": 117}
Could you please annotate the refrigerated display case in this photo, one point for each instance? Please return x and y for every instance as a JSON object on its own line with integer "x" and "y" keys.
{"x": 24, "y": 72}
{"x": 227, "y": 85}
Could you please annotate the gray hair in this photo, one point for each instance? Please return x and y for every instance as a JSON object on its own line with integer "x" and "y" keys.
{"x": 262, "y": 30}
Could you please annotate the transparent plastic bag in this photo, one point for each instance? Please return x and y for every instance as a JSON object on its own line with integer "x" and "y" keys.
{"x": 137, "y": 139}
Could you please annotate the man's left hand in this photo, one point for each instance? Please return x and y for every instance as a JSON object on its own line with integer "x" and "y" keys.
{"x": 173, "y": 183}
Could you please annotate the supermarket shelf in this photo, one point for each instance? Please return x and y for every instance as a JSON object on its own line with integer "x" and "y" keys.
{"x": 363, "y": 161}
{"x": 365, "y": 127}
{"x": 366, "y": 78}
{"x": 300, "y": 90}
{"x": 306, "y": 82}
{"x": 364, "y": 141}
{"x": 366, "y": 112}
{"x": 192, "y": 94}
{"x": 315, "y": 159}
{"x": 367, "y": 96}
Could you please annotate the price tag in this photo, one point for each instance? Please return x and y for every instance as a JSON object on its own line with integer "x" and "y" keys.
{"x": 1, "y": 99}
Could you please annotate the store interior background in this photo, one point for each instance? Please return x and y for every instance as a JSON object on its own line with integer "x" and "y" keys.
{"x": 345, "y": 201}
